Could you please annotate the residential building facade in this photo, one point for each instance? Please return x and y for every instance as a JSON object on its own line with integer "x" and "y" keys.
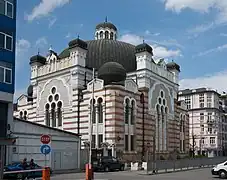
{"x": 205, "y": 120}
{"x": 133, "y": 94}
{"x": 7, "y": 72}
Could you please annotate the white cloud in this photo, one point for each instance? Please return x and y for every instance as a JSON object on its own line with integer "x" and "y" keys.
{"x": 22, "y": 46}
{"x": 68, "y": 35}
{"x": 52, "y": 21}
{"x": 215, "y": 81}
{"x": 45, "y": 7}
{"x": 41, "y": 42}
{"x": 202, "y": 6}
{"x": 217, "y": 49}
{"x": 159, "y": 51}
{"x": 223, "y": 34}
{"x": 202, "y": 28}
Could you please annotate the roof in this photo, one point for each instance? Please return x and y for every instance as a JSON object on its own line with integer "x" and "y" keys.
{"x": 112, "y": 72}
{"x": 173, "y": 65}
{"x": 196, "y": 91}
{"x": 78, "y": 43}
{"x": 38, "y": 59}
{"x": 106, "y": 25}
{"x": 41, "y": 125}
{"x": 144, "y": 47}
{"x": 105, "y": 50}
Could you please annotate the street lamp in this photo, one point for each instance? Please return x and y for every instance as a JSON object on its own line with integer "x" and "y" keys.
{"x": 142, "y": 101}
{"x": 80, "y": 99}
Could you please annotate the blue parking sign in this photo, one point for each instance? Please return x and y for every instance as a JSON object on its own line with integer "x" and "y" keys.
{"x": 45, "y": 149}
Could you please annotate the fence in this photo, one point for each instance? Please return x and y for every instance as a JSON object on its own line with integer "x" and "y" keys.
{"x": 182, "y": 164}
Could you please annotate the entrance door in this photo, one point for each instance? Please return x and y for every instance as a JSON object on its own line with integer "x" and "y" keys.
{"x": 57, "y": 160}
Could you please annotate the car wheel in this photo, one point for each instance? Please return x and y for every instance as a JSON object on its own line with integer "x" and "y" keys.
{"x": 122, "y": 168}
{"x": 222, "y": 174}
{"x": 106, "y": 169}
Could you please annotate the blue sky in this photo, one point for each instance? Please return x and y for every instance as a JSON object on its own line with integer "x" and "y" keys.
{"x": 191, "y": 32}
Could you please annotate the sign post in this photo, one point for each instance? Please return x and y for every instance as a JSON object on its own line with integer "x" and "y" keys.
{"x": 45, "y": 148}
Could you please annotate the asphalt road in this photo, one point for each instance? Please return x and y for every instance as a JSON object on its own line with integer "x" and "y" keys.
{"x": 199, "y": 174}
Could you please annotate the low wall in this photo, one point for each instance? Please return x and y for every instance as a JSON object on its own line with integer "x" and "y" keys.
{"x": 182, "y": 164}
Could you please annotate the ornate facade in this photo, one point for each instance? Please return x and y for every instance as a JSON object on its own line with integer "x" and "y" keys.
{"x": 133, "y": 94}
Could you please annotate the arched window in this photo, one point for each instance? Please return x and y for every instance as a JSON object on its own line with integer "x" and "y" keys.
{"x": 25, "y": 115}
{"x": 47, "y": 114}
{"x": 126, "y": 111}
{"x": 132, "y": 112}
{"x": 21, "y": 115}
{"x": 97, "y": 35}
{"x": 59, "y": 113}
{"x": 100, "y": 110}
{"x": 53, "y": 114}
{"x": 181, "y": 123}
{"x": 106, "y": 35}
{"x": 157, "y": 131}
{"x": 111, "y": 35}
{"x": 93, "y": 113}
{"x": 101, "y": 35}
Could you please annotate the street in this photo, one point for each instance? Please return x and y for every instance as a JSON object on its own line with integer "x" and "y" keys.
{"x": 200, "y": 174}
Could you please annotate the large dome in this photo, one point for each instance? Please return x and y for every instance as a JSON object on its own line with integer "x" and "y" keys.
{"x": 105, "y": 50}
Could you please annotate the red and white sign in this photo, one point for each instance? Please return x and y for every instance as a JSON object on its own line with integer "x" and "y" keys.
{"x": 45, "y": 139}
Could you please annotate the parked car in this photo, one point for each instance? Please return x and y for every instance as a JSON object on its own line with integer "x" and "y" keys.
{"x": 108, "y": 163}
{"x": 17, "y": 166}
{"x": 220, "y": 170}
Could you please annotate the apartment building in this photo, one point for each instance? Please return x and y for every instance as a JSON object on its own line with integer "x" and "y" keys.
{"x": 205, "y": 121}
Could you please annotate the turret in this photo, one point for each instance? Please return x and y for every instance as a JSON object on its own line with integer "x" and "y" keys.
{"x": 35, "y": 62}
{"x": 144, "y": 54}
{"x": 175, "y": 69}
{"x": 78, "y": 53}
{"x": 106, "y": 30}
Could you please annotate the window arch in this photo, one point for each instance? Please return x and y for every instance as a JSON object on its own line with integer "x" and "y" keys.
{"x": 21, "y": 115}
{"x": 106, "y": 35}
{"x": 93, "y": 113}
{"x": 47, "y": 114}
{"x": 101, "y": 35}
{"x": 59, "y": 113}
{"x": 53, "y": 114}
{"x": 126, "y": 109}
{"x": 132, "y": 112}
{"x": 100, "y": 110}
{"x": 111, "y": 35}
{"x": 25, "y": 115}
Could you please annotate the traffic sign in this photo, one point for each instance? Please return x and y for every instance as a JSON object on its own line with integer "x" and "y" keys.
{"x": 45, "y": 139}
{"x": 45, "y": 149}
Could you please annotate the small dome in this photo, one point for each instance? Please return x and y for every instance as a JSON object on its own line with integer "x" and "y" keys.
{"x": 112, "y": 72}
{"x": 30, "y": 91}
{"x": 78, "y": 43}
{"x": 144, "y": 47}
{"x": 106, "y": 25}
{"x": 172, "y": 65}
{"x": 37, "y": 59}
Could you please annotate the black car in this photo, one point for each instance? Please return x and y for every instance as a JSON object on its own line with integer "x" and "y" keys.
{"x": 108, "y": 163}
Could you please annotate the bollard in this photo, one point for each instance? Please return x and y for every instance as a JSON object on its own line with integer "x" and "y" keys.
{"x": 46, "y": 173}
{"x": 89, "y": 172}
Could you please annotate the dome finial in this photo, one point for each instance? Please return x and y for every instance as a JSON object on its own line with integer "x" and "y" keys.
{"x": 78, "y": 36}
{"x": 38, "y": 51}
{"x": 50, "y": 49}
{"x": 106, "y": 20}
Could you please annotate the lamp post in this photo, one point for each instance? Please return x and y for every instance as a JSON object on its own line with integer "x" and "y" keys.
{"x": 143, "y": 125}
{"x": 80, "y": 99}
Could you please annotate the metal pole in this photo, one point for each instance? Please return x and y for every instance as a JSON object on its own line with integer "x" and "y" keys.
{"x": 143, "y": 131}
{"x": 1, "y": 161}
{"x": 78, "y": 112}
{"x": 91, "y": 119}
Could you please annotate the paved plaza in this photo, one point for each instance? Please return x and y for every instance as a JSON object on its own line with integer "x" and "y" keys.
{"x": 199, "y": 174}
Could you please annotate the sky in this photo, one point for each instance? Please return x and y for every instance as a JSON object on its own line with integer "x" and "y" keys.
{"x": 193, "y": 33}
